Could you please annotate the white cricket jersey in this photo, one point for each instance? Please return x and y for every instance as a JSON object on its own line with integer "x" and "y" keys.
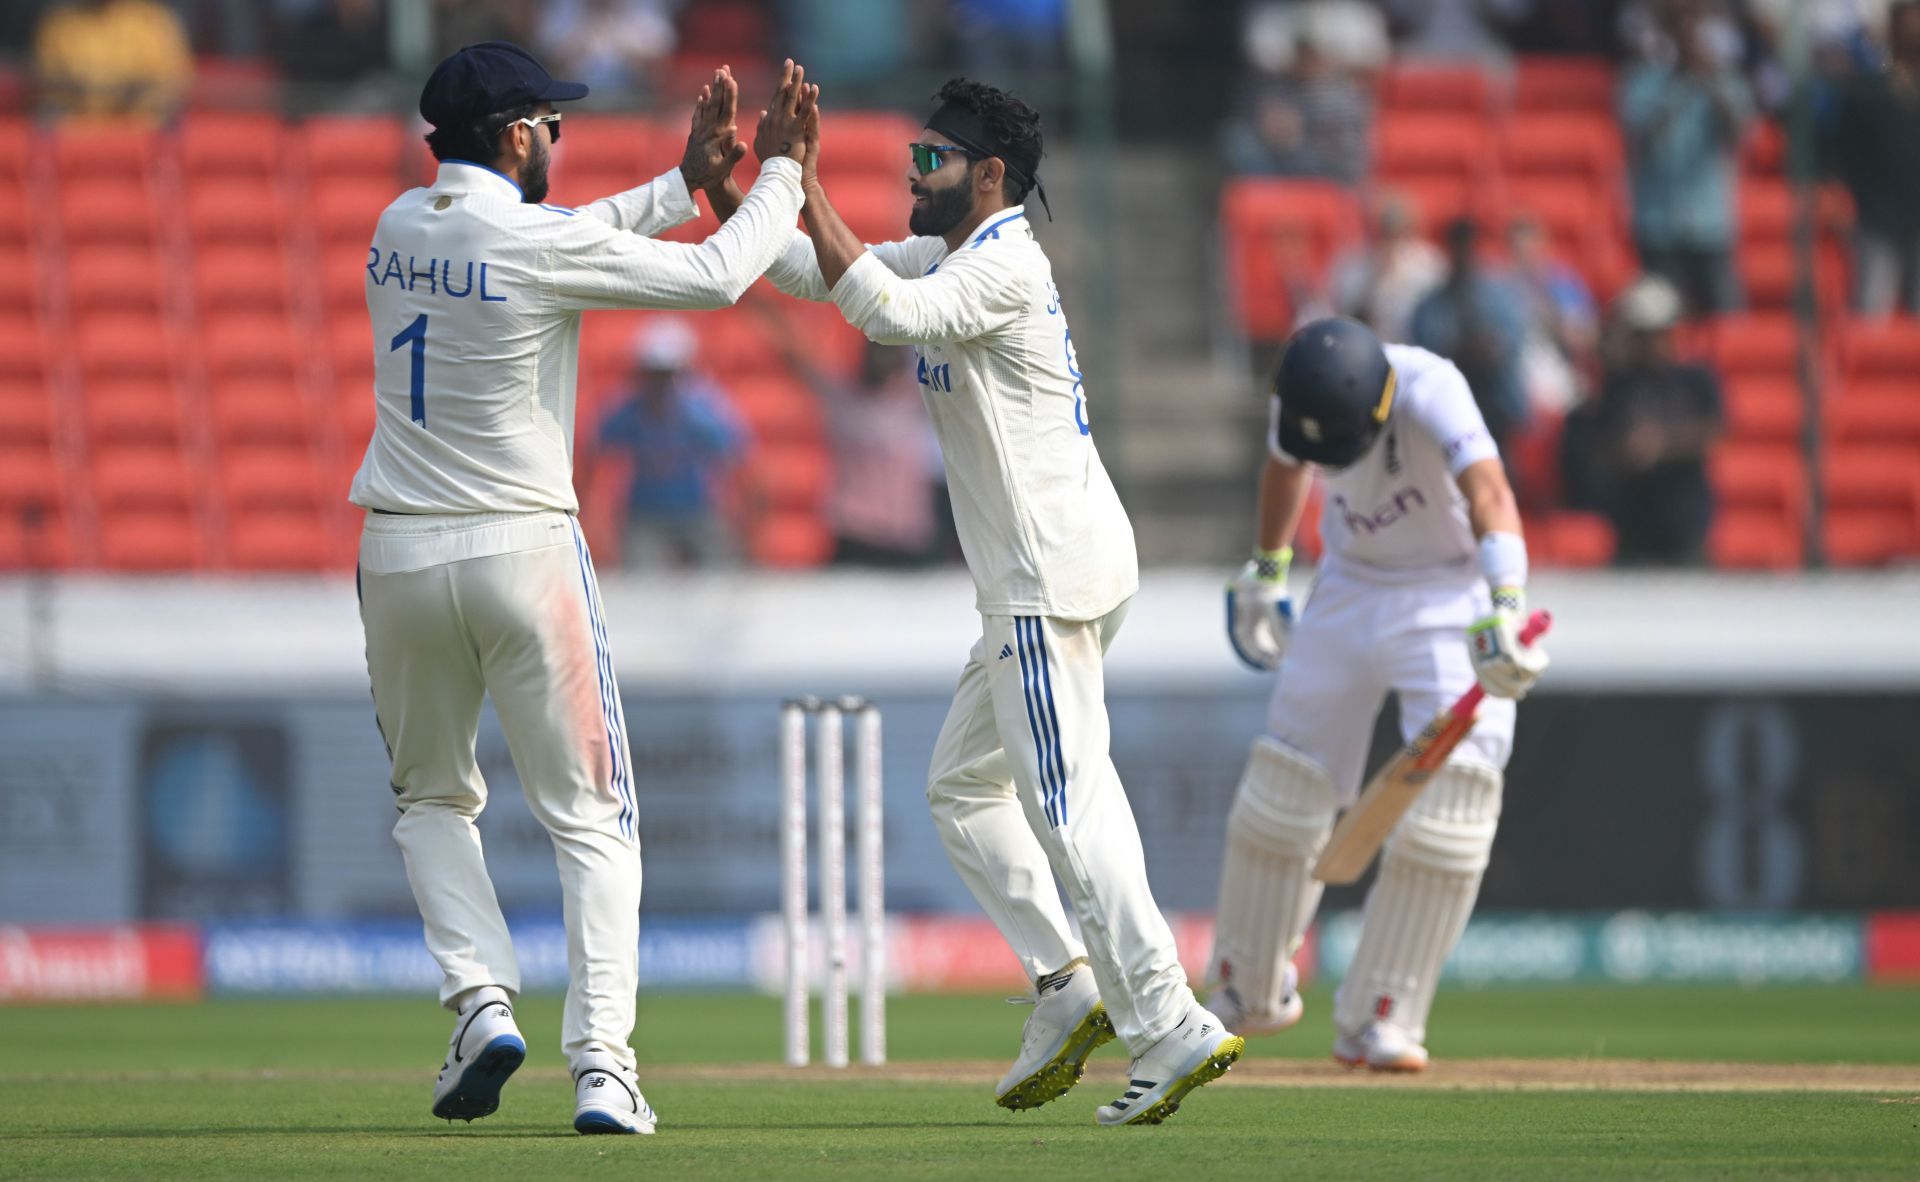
{"x": 476, "y": 298}
{"x": 1042, "y": 528}
{"x": 1397, "y": 514}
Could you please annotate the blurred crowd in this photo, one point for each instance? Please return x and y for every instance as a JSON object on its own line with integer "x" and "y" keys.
{"x": 1596, "y": 373}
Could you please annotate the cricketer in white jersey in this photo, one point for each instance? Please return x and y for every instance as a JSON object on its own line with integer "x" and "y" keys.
{"x": 1021, "y": 786}
{"x": 474, "y": 576}
{"x": 1422, "y": 550}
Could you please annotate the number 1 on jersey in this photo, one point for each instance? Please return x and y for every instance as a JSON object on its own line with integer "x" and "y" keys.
{"x": 416, "y": 333}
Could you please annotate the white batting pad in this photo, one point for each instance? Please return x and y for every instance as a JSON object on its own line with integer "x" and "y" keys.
{"x": 1429, "y": 875}
{"x": 1282, "y": 813}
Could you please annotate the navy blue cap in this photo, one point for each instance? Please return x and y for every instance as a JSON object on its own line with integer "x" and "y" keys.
{"x": 486, "y": 79}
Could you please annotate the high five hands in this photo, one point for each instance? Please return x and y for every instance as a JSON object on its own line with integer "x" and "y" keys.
{"x": 783, "y": 125}
{"x": 713, "y": 142}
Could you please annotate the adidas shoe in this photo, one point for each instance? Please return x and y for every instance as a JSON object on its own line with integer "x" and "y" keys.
{"x": 486, "y": 1048}
{"x": 1197, "y": 1052}
{"x": 1226, "y": 1004}
{"x": 1067, "y": 1024}
{"x": 607, "y": 1099}
{"x": 1381, "y": 1046}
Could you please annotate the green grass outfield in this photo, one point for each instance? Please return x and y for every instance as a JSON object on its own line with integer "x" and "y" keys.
{"x": 339, "y": 1088}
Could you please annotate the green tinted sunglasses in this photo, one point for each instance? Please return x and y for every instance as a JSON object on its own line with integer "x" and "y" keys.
{"x": 929, "y": 157}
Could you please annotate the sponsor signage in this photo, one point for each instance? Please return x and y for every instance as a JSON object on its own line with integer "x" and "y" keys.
{"x": 118, "y": 962}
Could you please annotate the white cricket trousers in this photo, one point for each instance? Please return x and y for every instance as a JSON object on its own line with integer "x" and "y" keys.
{"x": 524, "y": 626}
{"x": 1023, "y": 791}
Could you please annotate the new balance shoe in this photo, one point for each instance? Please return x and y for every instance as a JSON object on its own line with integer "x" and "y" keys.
{"x": 1381, "y": 1046}
{"x": 1226, "y": 1004}
{"x": 486, "y": 1048}
{"x": 607, "y": 1099}
{"x": 1197, "y": 1052}
{"x": 1067, "y": 1024}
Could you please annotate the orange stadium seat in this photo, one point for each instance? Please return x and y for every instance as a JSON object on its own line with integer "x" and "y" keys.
{"x": 1760, "y": 478}
{"x": 365, "y": 146}
{"x": 282, "y": 539}
{"x": 270, "y": 477}
{"x": 142, "y": 477}
{"x": 1581, "y": 540}
{"x": 94, "y": 213}
{"x": 350, "y": 352}
{"x": 778, "y": 409}
{"x": 343, "y": 283}
{"x": 344, "y": 213}
{"x": 1884, "y": 411}
{"x": 29, "y": 475}
{"x": 1766, "y": 210}
{"x": 254, "y": 346}
{"x": 869, "y": 144}
{"x": 23, "y": 350}
{"x": 734, "y": 344}
{"x": 37, "y": 538}
{"x": 16, "y": 135}
{"x": 219, "y": 144}
{"x": 124, "y": 346}
{"x": 1746, "y": 539}
{"x": 115, "y": 279}
{"x": 1418, "y": 144}
{"x": 17, "y": 214}
{"x": 1763, "y": 408}
{"x": 790, "y": 477}
{"x": 1764, "y": 151}
{"x": 229, "y": 279}
{"x": 133, "y": 411}
{"x": 105, "y": 151}
{"x": 1872, "y": 505}
{"x": 1543, "y": 83}
{"x": 1269, "y": 226}
{"x": 1888, "y": 347}
{"x": 791, "y": 540}
{"x": 247, "y": 411}
{"x": 241, "y": 212}
{"x": 1566, "y": 145}
{"x": 26, "y": 416}
{"x": 617, "y": 145}
{"x": 20, "y": 283}
{"x": 875, "y": 208}
{"x": 150, "y": 540}
{"x": 1450, "y": 89}
{"x": 1755, "y": 344}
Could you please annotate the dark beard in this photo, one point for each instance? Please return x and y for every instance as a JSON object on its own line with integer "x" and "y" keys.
{"x": 533, "y": 178}
{"x": 945, "y": 209}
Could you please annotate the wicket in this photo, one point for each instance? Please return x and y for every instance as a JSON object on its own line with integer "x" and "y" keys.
{"x": 829, "y": 779}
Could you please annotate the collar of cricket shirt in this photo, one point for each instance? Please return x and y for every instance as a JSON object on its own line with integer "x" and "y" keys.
{"x": 465, "y": 176}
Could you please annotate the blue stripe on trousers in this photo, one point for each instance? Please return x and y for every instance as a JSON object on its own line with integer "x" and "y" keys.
{"x": 1052, "y": 714}
{"x": 608, "y": 690}
{"x": 1029, "y": 686}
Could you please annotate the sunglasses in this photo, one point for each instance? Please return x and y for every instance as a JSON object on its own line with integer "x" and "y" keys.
{"x": 929, "y": 157}
{"x": 533, "y": 124}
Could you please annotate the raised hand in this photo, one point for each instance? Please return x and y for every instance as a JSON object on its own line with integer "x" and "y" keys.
{"x": 783, "y": 125}
{"x": 713, "y": 142}
{"x": 810, "y": 163}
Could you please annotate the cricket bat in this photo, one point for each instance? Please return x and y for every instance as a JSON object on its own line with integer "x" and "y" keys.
{"x": 1391, "y": 792}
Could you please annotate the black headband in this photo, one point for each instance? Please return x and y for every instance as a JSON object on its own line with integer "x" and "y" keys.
{"x": 967, "y": 130}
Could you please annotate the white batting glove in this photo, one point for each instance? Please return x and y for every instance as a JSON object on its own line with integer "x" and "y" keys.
{"x": 1505, "y": 667}
{"x": 1259, "y": 611}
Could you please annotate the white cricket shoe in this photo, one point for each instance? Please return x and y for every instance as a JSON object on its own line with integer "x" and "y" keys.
{"x": 1381, "y": 1046}
{"x": 1067, "y": 1024}
{"x": 1199, "y": 1051}
{"x": 607, "y": 1099}
{"x": 1225, "y": 1002}
{"x": 486, "y": 1048}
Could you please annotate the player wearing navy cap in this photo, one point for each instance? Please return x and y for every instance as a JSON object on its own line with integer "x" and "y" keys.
{"x": 474, "y": 577}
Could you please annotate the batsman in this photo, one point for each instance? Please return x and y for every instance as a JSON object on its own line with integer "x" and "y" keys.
{"x": 1422, "y": 590}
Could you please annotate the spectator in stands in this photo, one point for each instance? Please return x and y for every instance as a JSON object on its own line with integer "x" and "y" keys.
{"x": 1638, "y": 452}
{"x": 1562, "y": 328}
{"x": 1477, "y": 319}
{"x": 1875, "y": 140}
{"x": 886, "y": 462}
{"x": 336, "y": 51}
{"x": 1382, "y": 282}
{"x": 681, "y": 438}
{"x": 468, "y": 22}
{"x": 614, "y": 46}
{"x": 1304, "y": 112}
{"x": 1683, "y": 121}
{"x": 125, "y": 59}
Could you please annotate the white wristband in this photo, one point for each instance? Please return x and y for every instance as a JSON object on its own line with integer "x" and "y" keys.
{"x": 1503, "y": 559}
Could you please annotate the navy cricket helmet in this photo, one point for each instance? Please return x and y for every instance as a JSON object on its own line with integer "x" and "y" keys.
{"x": 1335, "y": 390}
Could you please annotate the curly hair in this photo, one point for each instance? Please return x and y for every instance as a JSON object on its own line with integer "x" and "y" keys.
{"x": 1011, "y": 121}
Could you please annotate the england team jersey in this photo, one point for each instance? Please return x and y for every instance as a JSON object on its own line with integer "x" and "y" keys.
{"x": 1041, "y": 526}
{"x": 476, "y": 298}
{"x": 1397, "y": 514}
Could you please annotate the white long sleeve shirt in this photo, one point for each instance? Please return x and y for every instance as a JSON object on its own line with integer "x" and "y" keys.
{"x": 1396, "y": 515}
{"x": 476, "y": 298}
{"x": 1042, "y": 529}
